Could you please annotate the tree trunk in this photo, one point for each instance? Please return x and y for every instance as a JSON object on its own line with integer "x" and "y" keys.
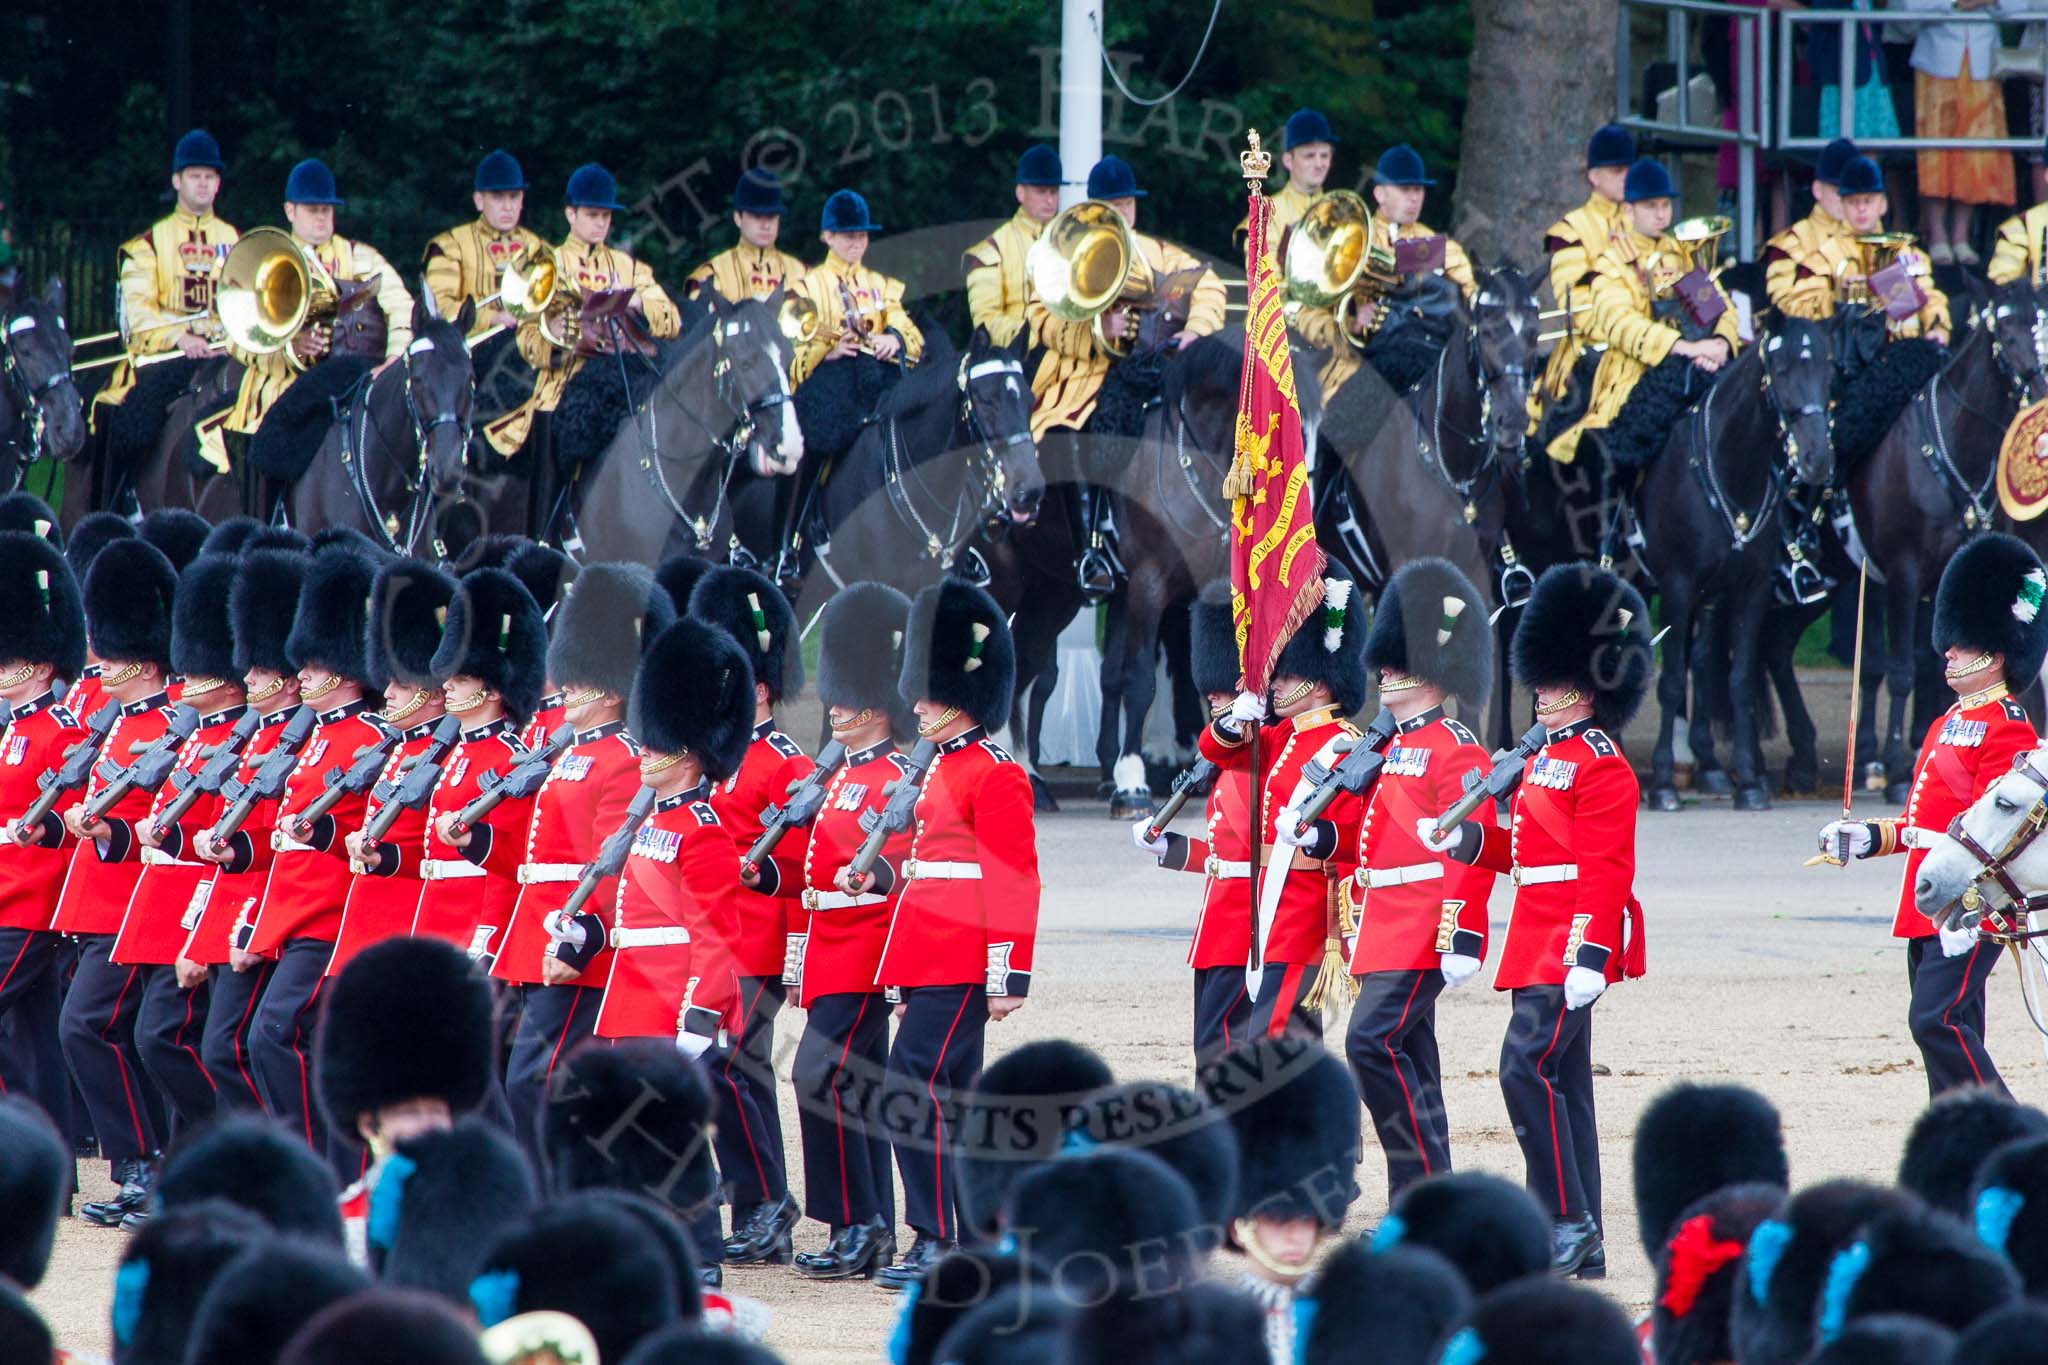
{"x": 1542, "y": 79}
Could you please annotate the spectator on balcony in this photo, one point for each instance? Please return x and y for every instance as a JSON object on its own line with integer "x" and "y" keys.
{"x": 1956, "y": 96}
{"x": 1872, "y": 96}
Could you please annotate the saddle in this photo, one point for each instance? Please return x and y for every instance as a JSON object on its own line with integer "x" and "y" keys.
{"x": 606, "y": 324}
{"x": 1427, "y": 303}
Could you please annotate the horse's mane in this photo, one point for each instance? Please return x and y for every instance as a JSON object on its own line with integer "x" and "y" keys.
{"x": 925, "y": 381}
{"x": 1210, "y": 361}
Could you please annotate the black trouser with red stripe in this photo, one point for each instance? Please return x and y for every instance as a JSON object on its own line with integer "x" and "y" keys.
{"x": 230, "y": 1020}
{"x": 97, "y": 1028}
{"x": 838, "y": 1076}
{"x": 1546, "y": 1076}
{"x": 552, "y": 1020}
{"x": 749, "y": 1136}
{"x": 282, "y": 1048}
{"x": 1278, "y": 1010}
{"x": 937, "y": 1053}
{"x": 1391, "y": 1046}
{"x": 168, "y": 1034}
{"x": 1223, "y": 1010}
{"x": 1947, "y": 1013}
{"x": 31, "y": 1000}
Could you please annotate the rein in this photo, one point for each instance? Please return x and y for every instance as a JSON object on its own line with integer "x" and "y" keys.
{"x": 354, "y": 411}
{"x": 1972, "y": 501}
{"x": 1996, "y": 867}
{"x": 27, "y": 392}
{"x": 981, "y": 489}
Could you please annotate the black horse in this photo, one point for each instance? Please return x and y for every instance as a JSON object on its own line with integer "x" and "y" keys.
{"x": 42, "y": 416}
{"x": 172, "y": 473}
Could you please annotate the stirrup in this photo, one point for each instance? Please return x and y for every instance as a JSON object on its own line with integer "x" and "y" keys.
{"x": 1516, "y": 585}
{"x": 1095, "y": 571}
{"x": 973, "y": 567}
{"x": 1801, "y": 579}
{"x": 789, "y": 575}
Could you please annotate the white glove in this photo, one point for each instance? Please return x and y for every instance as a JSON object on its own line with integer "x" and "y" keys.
{"x": 1248, "y": 709}
{"x": 1284, "y": 826}
{"x": 1146, "y": 841}
{"x": 1458, "y": 968}
{"x": 692, "y": 1044}
{"x": 1582, "y": 986}
{"x": 1857, "y": 834}
{"x": 1425, "y": 830}
{"x": 1956, "y": 942}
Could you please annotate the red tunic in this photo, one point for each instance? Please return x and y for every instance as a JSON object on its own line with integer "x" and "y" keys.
{"x": 1966, "y": 750}
{"x": 1572, "y": 848}
{"x": 1419, "y": 905}
{"x": 583, "y": 799}
{"x": 32, "y": 744}
{"x": 460, "y": 902}
{"x": 844, "y": 947}
{"x": 546, "y": 717}
{"x": 229, "y": 897}
{"x": 968, "y": 908}
{"x": 153, "y": 931}
{"x": 308, "y": 885}
{"x": 384, "y": 896}
{"x": 673, "y": 924}
{"x": 102, "y": 876}
{"x": 85, "y": 696}
{"x": 772, "y": 764}
{"x": 1223, "y": 930}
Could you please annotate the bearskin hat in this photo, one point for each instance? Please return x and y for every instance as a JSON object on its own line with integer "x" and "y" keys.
{"x": 1692, "y": 1140}
{"x": 1015, "y": 1328}
{"x": 665, "y": 1154}
{"x": 1212, "y": 641}
{"x": 958, "y": 652}
{"x": 1919, "y": 1261}
{"x": 35, "y": 1176}
{"x": 1990, "y": 599}
{"x": 372, "y": 1326}
{"x": 1091, "y": 1209}
{"x": 260, "y": 1299}
{"x": 1893, "y": 1339}
{"x": 1487, "y": 1227}
{"x": 165, "y": 1271}
{"x": 953, "y": 1286}
{"x": 42, "y": 616}
{"x": 694, "y": 693}
{"x": 2011, "y": 1336}
{"x": 1787, "y": 1263}
{"x": 495, "y": 633}
{"x": 1404, "y": 1301}
{"x": 1329, "y": 647}
{"x": 661, "y": 1226}
{"x": 180, "y": 534}
{"x": 694, "y": 1344}
{"x": 1583, "y": 626}
{"x": 330, "y": 625}
{"x": 2009, "y": 1207}
{"x": 1027, "y": 1093}
{"x": 1296, "y": 1112}
{"x": 129, "y": 594}
{"x": 1431, "y": 623}
{"x": 1204, "y": 1324}
{"x": 347, "y": 538}
{"x": 1699, "y": 1272}
{"x": 277, "y": 538}
{"x": 860, "y": 651}
{"x": 253, "y": 1162}
{"x": 23, "y": 511}
{"x": 542, "y": 570}
{"x": 680, "y": 574}
{"x": 591, "y": 1262}
{"x": 1174, "y": 1124}
{"x": 202, "y": 641}
{"x": 95, "y": 532}
{"x": 230, "y": 536}
{"x": 753, "y": 611}
{"x": 262, "y": 604}
{"x": 610, "y": 616}
{"x": 442, "y": 1199}
{"x": 408, "y": 1018}
{"x": 1541, "y": 1321}
{"x": 409, "y": 601}
{"x": 1951, "y": 1138}
{"x": 23, "y": 1333}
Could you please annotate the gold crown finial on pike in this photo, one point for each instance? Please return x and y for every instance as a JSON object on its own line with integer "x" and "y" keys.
{"x": 1256, "y": 161}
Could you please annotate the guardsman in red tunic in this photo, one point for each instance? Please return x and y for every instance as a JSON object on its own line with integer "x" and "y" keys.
{"x": 839, "y": 1063}
{"x": 1222, "y": 854}
{"x": 560, "y": 969}
{"x": 299, "y": 916}
{"x": 1583, "y": 649}
{"x": 493, "y": 653}
{"x": 42, "y": 644}
{"x": 408, "y": 603}
{"x": 1989, "y": 625}
{"x": 1421, "y": 917}
{"x": 95, "y": 532}
{"x": 1318, "y": 680}
{"x": 961, "y": 940}
{"x": 770, "y": 953}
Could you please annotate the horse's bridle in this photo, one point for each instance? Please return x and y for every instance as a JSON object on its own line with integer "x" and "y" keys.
{"x": 355, "y": 435}
{"x": 1996, "y": 867}
{"x": 993, "y": 508}
{"x": 732, "y": 444}
{"x": 28, "y": 392}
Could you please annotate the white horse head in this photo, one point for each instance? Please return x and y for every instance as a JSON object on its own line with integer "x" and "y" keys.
{"x": 2005, "y": 823}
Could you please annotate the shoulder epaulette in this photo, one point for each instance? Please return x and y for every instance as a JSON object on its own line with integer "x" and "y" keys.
{"x": 702, "y": 810}
{"x": 997, "y": 751}
{"x": 63, "y": 716}
{"x": 2013, "y": 709}
{"x": 1599, "y": 743}
{"x": 1459, "y": 732}
{"x": 784, "y": 745}
{"x": 632, "y": 744}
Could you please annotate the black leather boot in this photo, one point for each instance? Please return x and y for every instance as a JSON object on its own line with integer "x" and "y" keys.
{"x": 923, "y": 1253}
{"x": 1576, "y": 1248}
{"x": 861, "y": 1250}
{"x": 138, "y": 1178}
{"x": 762, "y": 1238}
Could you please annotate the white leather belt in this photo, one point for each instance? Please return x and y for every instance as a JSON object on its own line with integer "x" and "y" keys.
{"x": 1226, "y": 870}
{"x": 1375, "y": 878}
{"x": 534, "y": 874}
{"x": 280, "y": 842}
{"x": 1555, "y": 872}
{"x": 666, "y": 936}
{"x": 156, "y": 857}
{"x": 838, "y": 900}
{"x": 917, "y": 870}
{"x": 445, "y": 869}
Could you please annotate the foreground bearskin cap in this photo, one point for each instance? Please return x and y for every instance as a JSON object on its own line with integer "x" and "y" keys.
{"x": 253, "y": 1162}
{"x": 333, "y": 616}
{"x": 1699, "y": 1272}
{"x": 1694, "y": 1139}
{"x": 1204, "y": 1324}
{"x": 1329, "y": 647}
{"x": 1787, "y": 1264}
{"x": 542, "y": 570}
{"x": 407, "y": 1019}
{"x": 230, "y": 537}
{"x": 663, "y": 1228}
{"x": 611, "y": 614}
{"x": 1540, "y": 1321}
{"x": 958, "y": 652}
{"x": 260, "y": 1300}
{"x": 695, "y": 694}
{"x": 165, "y": 1271}
{"x": 95, "y": 532}
{"x": 1404, "y": 1301}
{"x": 495, "y": 633}
{"x": 1212, "y": 641}
{"x": 1431, "y": 623}
{"x": 1057, "y": 1074}
{"x": 21, "y": 511}
{"x": 277, "y": 538}
{"x": 953, "y": 1286}
{"x": 1086, "y": 1213}
{"x": 680, "y": 575}
{"x": 371, "y": 1325}
{"x": 1487, "y": 1227}
{"x": 2011, "y": 1336}
{"x": 408, "y": 605}
{"x": 23, "y": 1333}
{"x": 754, "y": 612}
{"x": 1174, "y": 1124}
{"x": 1990, "y": 599}
{"x": 665, "y": 1152}
{"x": 695, "y": 1344}
{"x": 262, "y": 605}
{"x": 180, "y": 534}
{"x": 42, "y": 615}
{"x": 35, "y": 1176}
{"x": 2009, "y": 1207}
{"x": 593, "y": 1263}
{"x": 202, "y": 641}
{"x": 1893, "y": 1339}
{"x": 1919, "y": 1261}
{"x": 129, "y": 592}
{"x": 1296, "y": 1112}
{"x": 860, "y": 651}
{"x": 1951, "y": 1138}
{"x": 442, "y": 1199}
{"x": 1585, "y": 627}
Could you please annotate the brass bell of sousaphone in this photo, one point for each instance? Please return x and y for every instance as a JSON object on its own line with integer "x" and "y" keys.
{"x": 526, "y": 293}
{"x": 798, "y": 318}
{"x": 270, "y": 289}
{"x": 540, "y": 1338}
{"x": 1080, "y": 263}
{"x": 1701, "y": 240}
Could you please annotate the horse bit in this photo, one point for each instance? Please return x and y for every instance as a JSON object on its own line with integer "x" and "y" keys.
{"x": 1996, "y": 867}
{"x": 746, "y": 421}
{"x": 358, "y": 474}
{"x": 28, "y": 393}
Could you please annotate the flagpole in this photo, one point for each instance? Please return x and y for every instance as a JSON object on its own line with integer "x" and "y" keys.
{"x": 1237, "y": 484}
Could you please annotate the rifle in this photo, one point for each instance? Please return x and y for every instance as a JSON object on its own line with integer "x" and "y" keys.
{"x": 268, "y": 781}
{"x": 896, "y": 815}
{"x": 806, "y": 799}
{"x": 611, "y": 857}
{"x": 1184, "y": 786}
{"x": 1505, "y": 777}
{"x": 522, "y": 781}
{"x": 74, "y": 771}
{"x": 147, "y": 770}
{"x": 1358, "y": 769}
{"x": 216, "y": 765}
{"x": 411, "y": 791}
{"x": 361, "y": 774}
